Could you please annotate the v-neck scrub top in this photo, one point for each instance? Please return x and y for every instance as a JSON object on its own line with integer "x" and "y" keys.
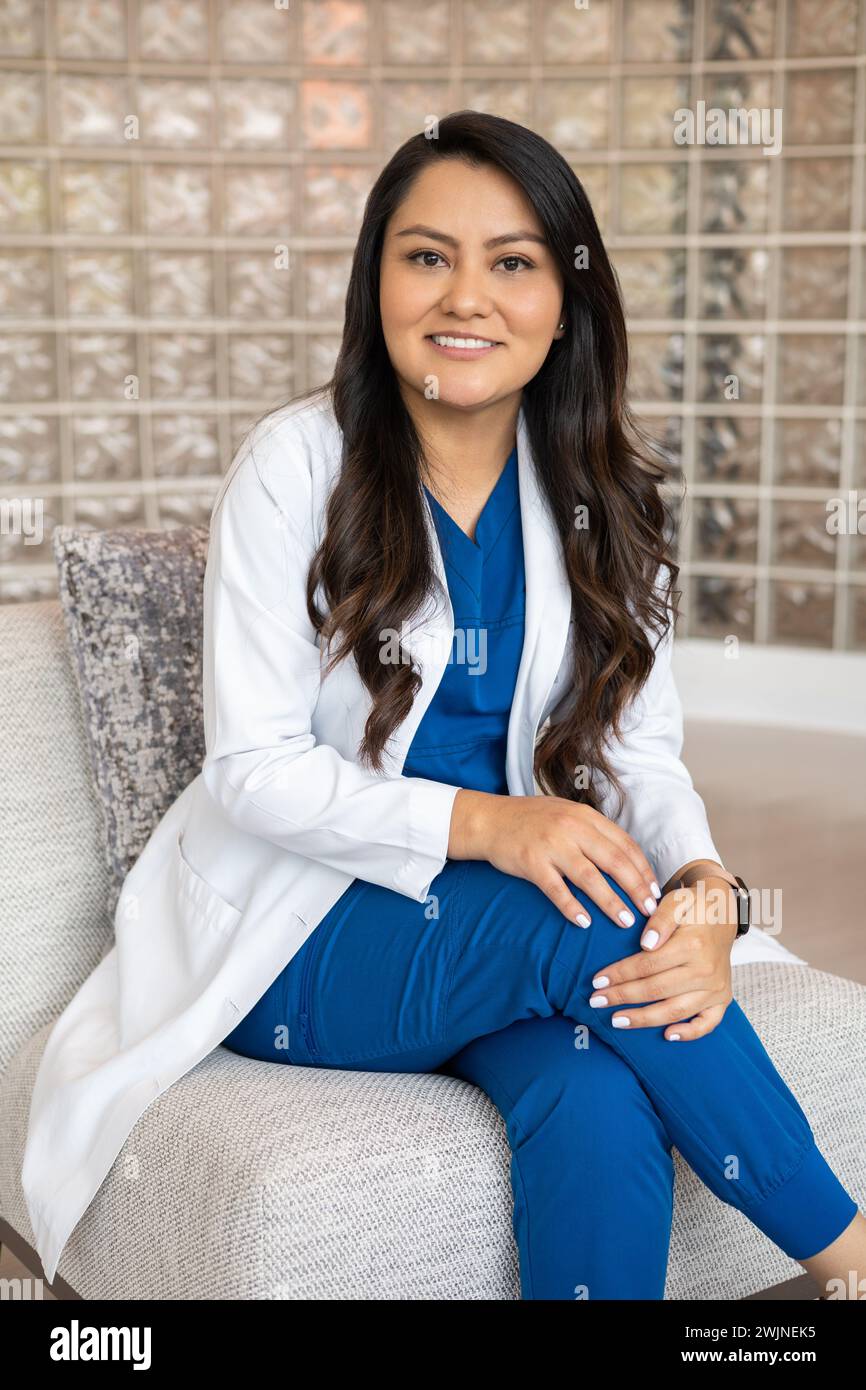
{"x": 461, "y": 739}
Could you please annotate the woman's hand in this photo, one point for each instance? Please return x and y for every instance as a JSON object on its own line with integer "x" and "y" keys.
{"x": 542, "y": 838}
{"x": 687, "y": 972}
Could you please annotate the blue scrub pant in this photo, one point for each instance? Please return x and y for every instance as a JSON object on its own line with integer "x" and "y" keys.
{"x": 488, "y": 982}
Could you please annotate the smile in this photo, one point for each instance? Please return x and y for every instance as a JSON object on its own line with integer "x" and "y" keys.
{"x": 464, "y": 347}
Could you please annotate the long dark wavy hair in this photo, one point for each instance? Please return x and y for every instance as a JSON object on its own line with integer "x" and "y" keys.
{"x": 374, "y": 561}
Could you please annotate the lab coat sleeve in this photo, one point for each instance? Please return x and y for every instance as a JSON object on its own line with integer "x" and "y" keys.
{"x": 264, "y": 766}
{"x": 662, "y": 811}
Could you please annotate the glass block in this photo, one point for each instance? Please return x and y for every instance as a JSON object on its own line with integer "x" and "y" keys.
{"x": 29, "y": 449}
{"x": 648, "y": 106}
{"x": 178, "y": 112}
{"x": 414, "y": 31}
{"x": 729, "y": 448}
{"x": 739, "y": 29}
{"x": 22, "y": 26}
{"x": 731, "y": 367}
{"x": 26, "y": 587}
{"x": 575, "y": 113}
{"x": 808, "y": 452}
{"x": 261, "y": 366}
{"x": 25, "y": 535}
{"x": 178, "y": 199}
{"x": 174, "y": 33}
{"x": 653, "y": 282}
{"x": 734, "y": 194}
{"x": 511, "y": 100}
{"x": 256, "y": 114}
{"x": 333, "y": 198}
{"x": 822, "y": 31}
{"x": 106, "y": 513}
{"x": 656, "y": 366}
{"x": 858, "y": 540}
{"x": 320, "y": 357}
{"x": 105, "y": 448}
{"x": 497, "y": 31}
{"x": 326, "y": 280}
{"x": 257, "y": 287}
{"x": 800, "y": 535}
{"x": 737, "y": 89}
{"x": 22, "y": 108}
{"x": 95, "y": 197}
{"x": 257, "y": 200}
{"x": 816, "y": 195}
{"x": 185, "y": 508}
{"x": 180, "y": 284}
{"x": 90, "y": 29}
{"x": 185, "y": 445}
{"x": 253, "y": 33}
{"x": 652, "y": 199}
{"x": 657, "y": 31}
{"x": 722, "y": 606}
{"x": 407, "y": 105}
{"x": 819, "y": 107}
{"x": 27, "y": 367}
{"x": 572, "y": 35}
{"x": 860, "y": 450}
{"x": 101, "y": 365}
{"x": 814, "y": 282}
{"x": 182, "y": 366}
{"x": 23, "y": 196}
{"x": 725, "y": 530}
{"x": 336, "y": 115}
{"x": 26, "y": 286}
{"x": 811, "y": 368}
{"x": 858, "y": 618}
{"x": 733, "y": 282}
{"x": 91, "y": 108}
{"x": 802, "y": 613}
{"x": 99, "y": 283}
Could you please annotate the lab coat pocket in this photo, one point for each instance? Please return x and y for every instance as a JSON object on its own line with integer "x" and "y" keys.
{"x": 209, "y": 906}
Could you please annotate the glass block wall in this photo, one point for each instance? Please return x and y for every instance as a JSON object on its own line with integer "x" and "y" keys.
{"x": 181, "y": 182}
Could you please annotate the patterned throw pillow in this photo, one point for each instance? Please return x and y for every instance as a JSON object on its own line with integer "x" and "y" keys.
{"x": 132, "y": 605}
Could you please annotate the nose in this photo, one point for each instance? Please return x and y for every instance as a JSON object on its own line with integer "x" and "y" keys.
{"x": 466, "y": 296}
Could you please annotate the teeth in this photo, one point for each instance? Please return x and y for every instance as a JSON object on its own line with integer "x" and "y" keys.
{"x": 461, "y": 342}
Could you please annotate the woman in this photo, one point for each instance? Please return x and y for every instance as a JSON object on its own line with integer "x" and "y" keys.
{"x": 548, "y": 963}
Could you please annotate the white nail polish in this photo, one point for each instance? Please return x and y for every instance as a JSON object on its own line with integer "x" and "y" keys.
{"x": 620, "y": 1022}
{"x": 600, "y": 981}
{"x": 650, "y": 904}
{"x": 582, "y": 920}
{"x": 654, "y": 886}
{"x": 649, "y": 939}
{"x": 673, "y": 1037}
{"x": 626, "y": 918}
{"x": 598, "y": 1001}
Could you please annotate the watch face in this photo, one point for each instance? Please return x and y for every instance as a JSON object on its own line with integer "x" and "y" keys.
{"x": 744, "y": 904}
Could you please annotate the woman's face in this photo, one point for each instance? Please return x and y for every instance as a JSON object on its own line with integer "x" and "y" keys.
{"x": 464, "y": 256}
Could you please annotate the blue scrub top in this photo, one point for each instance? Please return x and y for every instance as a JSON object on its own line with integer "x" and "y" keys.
{"x": 461, "y": 739}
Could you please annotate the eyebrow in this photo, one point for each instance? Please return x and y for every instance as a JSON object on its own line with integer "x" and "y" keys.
{"x": 419, "y": 230}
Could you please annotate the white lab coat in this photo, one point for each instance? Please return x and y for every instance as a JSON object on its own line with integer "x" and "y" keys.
{"x": 282, "y": 818}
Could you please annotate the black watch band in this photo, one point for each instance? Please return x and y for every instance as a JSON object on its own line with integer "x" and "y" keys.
{"x": 744, "y": 901}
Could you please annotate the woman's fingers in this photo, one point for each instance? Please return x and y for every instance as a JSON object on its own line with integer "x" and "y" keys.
{"x": 585, "y": 875}
{"x": 681, "y": 1011}
{"x": 633, "y": 852}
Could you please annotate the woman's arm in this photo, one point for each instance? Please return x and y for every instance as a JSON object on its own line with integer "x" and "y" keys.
{"x": 263, "y": 764}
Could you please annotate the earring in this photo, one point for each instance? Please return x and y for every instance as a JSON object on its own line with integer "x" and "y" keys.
{"x": 562, "y": 325}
